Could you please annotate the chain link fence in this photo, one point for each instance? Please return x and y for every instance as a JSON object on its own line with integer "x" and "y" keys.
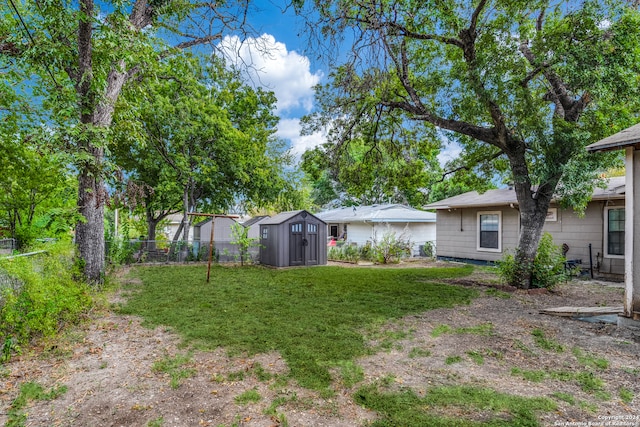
{"x": 7, "y": 246}
{"x": 156, "y": 251}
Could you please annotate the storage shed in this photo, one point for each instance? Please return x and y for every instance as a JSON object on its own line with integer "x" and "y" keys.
{"x": 292, "y": 239}
{"x": 222, "y": 238}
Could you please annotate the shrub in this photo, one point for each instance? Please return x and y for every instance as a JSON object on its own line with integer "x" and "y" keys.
{"x": 548, "y": 266}
{"x": 350, "y": 253}
{"x": 43, "y": 296}
{"x": 391, "y": 248}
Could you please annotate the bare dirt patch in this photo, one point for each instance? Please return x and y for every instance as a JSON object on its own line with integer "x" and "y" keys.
{"x": 107, "y": 366}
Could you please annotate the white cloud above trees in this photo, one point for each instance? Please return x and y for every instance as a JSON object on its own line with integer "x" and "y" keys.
{"x": 270, "y": 64}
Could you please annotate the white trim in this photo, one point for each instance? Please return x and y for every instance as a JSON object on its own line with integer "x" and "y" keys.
{"x": 481, "y": 249}
{"x": 606, "y": 232}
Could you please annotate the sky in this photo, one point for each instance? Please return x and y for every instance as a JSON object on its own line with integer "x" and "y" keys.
{"x": 285, "y": 70}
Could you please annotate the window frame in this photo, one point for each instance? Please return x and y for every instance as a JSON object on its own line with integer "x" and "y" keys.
{"x": 478, "y": 223}
{"x": 605, "y": 250}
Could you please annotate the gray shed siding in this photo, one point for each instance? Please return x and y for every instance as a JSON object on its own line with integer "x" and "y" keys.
{"x": 457, "y": 231}
{"x": 276, "y": 249}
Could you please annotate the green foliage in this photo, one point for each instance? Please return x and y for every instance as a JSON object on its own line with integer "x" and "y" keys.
{"x": 545, "y": 343}
{"x": 240, "y": 237}
{"x": 30, "y": 391}
{"x": 565, "y": 397}
{"x": 198, "y": 139}
{"x": 405, "y": 408}
{"x": 477, "y": 357}
{"x": 391, "y": 248}
{"x": 46, "y": 295}
{"x": 174, "y": 367}
{"x": 450, "y": 360}
{"x": 346, "y": 252}
{"x": 497, "y": 80}
{"x": 249, "y": 396}
{"x": 548, "y": 266}
{"x": 419, "y": 352}
{"x": 350, "y": 373}
{"x": 589, "y": 360}
{"x": 626, "y": 395}
{"x": 36, "y": 191}
{"x": 120, "y": 252}
{"x": 314, "y": 317}
{"x": 370, "y": 171}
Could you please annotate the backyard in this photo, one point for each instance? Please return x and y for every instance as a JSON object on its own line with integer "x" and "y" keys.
{"x": 411, "y": 345}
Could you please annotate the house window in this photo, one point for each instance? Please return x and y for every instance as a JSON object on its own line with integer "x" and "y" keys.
{"x": 333, "y": 231}
{"x": 614, "y": 232}
{"x": 265, "y": 232}
{"x": 489, "y": 231}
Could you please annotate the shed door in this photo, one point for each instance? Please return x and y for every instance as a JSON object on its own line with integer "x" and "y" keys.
{"x": 296, "y": 243}
{"x": 312, "y": 244}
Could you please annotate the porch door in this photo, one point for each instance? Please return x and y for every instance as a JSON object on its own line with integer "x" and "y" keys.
{"x": 296, "y": 243}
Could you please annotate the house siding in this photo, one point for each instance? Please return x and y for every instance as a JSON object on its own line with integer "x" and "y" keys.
{"x": 457, "y": 231}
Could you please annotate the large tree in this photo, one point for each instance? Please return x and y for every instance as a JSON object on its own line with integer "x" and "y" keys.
{"x": 79, "y": 56}
{"x": 526, "y": 82}
{"x": 192, "y": 136}
{"x": 34, "y": 188}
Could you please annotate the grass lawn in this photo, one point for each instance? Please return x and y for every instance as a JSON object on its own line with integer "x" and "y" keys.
{"x": 317, "y": 318}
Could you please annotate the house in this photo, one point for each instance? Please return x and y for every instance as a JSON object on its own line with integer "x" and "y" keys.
{"x": 173, "y": 222}
{"x": 629, "y": 141}
{"x": 293, "y": 239}
{"x": 367, "y": 224}
{"x": 474, "y": 227}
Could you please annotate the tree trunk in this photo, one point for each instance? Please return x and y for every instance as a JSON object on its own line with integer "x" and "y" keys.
{"x": 152, "y": 224}
{"x": 90, "y": 234}
{"x": 533, "y": 206}
{"x": 531, "y": 222}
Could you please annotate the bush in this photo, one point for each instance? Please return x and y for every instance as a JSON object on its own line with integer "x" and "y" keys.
{"x": 391, "y": 248}
{"x": 42, "y": 295}
{"x": 548, "y": 266}
{"x": 349, "y": 253}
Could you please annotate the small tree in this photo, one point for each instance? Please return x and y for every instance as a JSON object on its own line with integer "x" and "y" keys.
{"x": 240, "y": 237}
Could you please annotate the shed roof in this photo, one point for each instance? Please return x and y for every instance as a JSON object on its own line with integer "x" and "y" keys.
{"x": 254, "y": 220}
{"x": 622, "y": 139}
{"x": 507, "y": 196}
{"x": 377, "y": 213}
{"x": 208, "y": 219}
{"x": 284, "y": 216}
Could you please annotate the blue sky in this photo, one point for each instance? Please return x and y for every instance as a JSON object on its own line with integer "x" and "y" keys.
{"x": 285, "y": 69}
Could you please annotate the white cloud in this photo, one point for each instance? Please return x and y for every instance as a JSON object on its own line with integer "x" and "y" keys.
{"x": 290, "y": 129}
{"x": 451, "y": 150}
{"x": 268, "y": 63}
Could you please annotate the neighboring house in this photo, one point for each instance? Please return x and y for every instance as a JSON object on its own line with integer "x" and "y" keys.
{"x": 367, "y": 224}
{"x": 173, "y": 223}
{"x": 483, "y": 227}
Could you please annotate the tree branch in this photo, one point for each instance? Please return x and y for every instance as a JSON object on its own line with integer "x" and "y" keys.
{"x": 468, "y": 167}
